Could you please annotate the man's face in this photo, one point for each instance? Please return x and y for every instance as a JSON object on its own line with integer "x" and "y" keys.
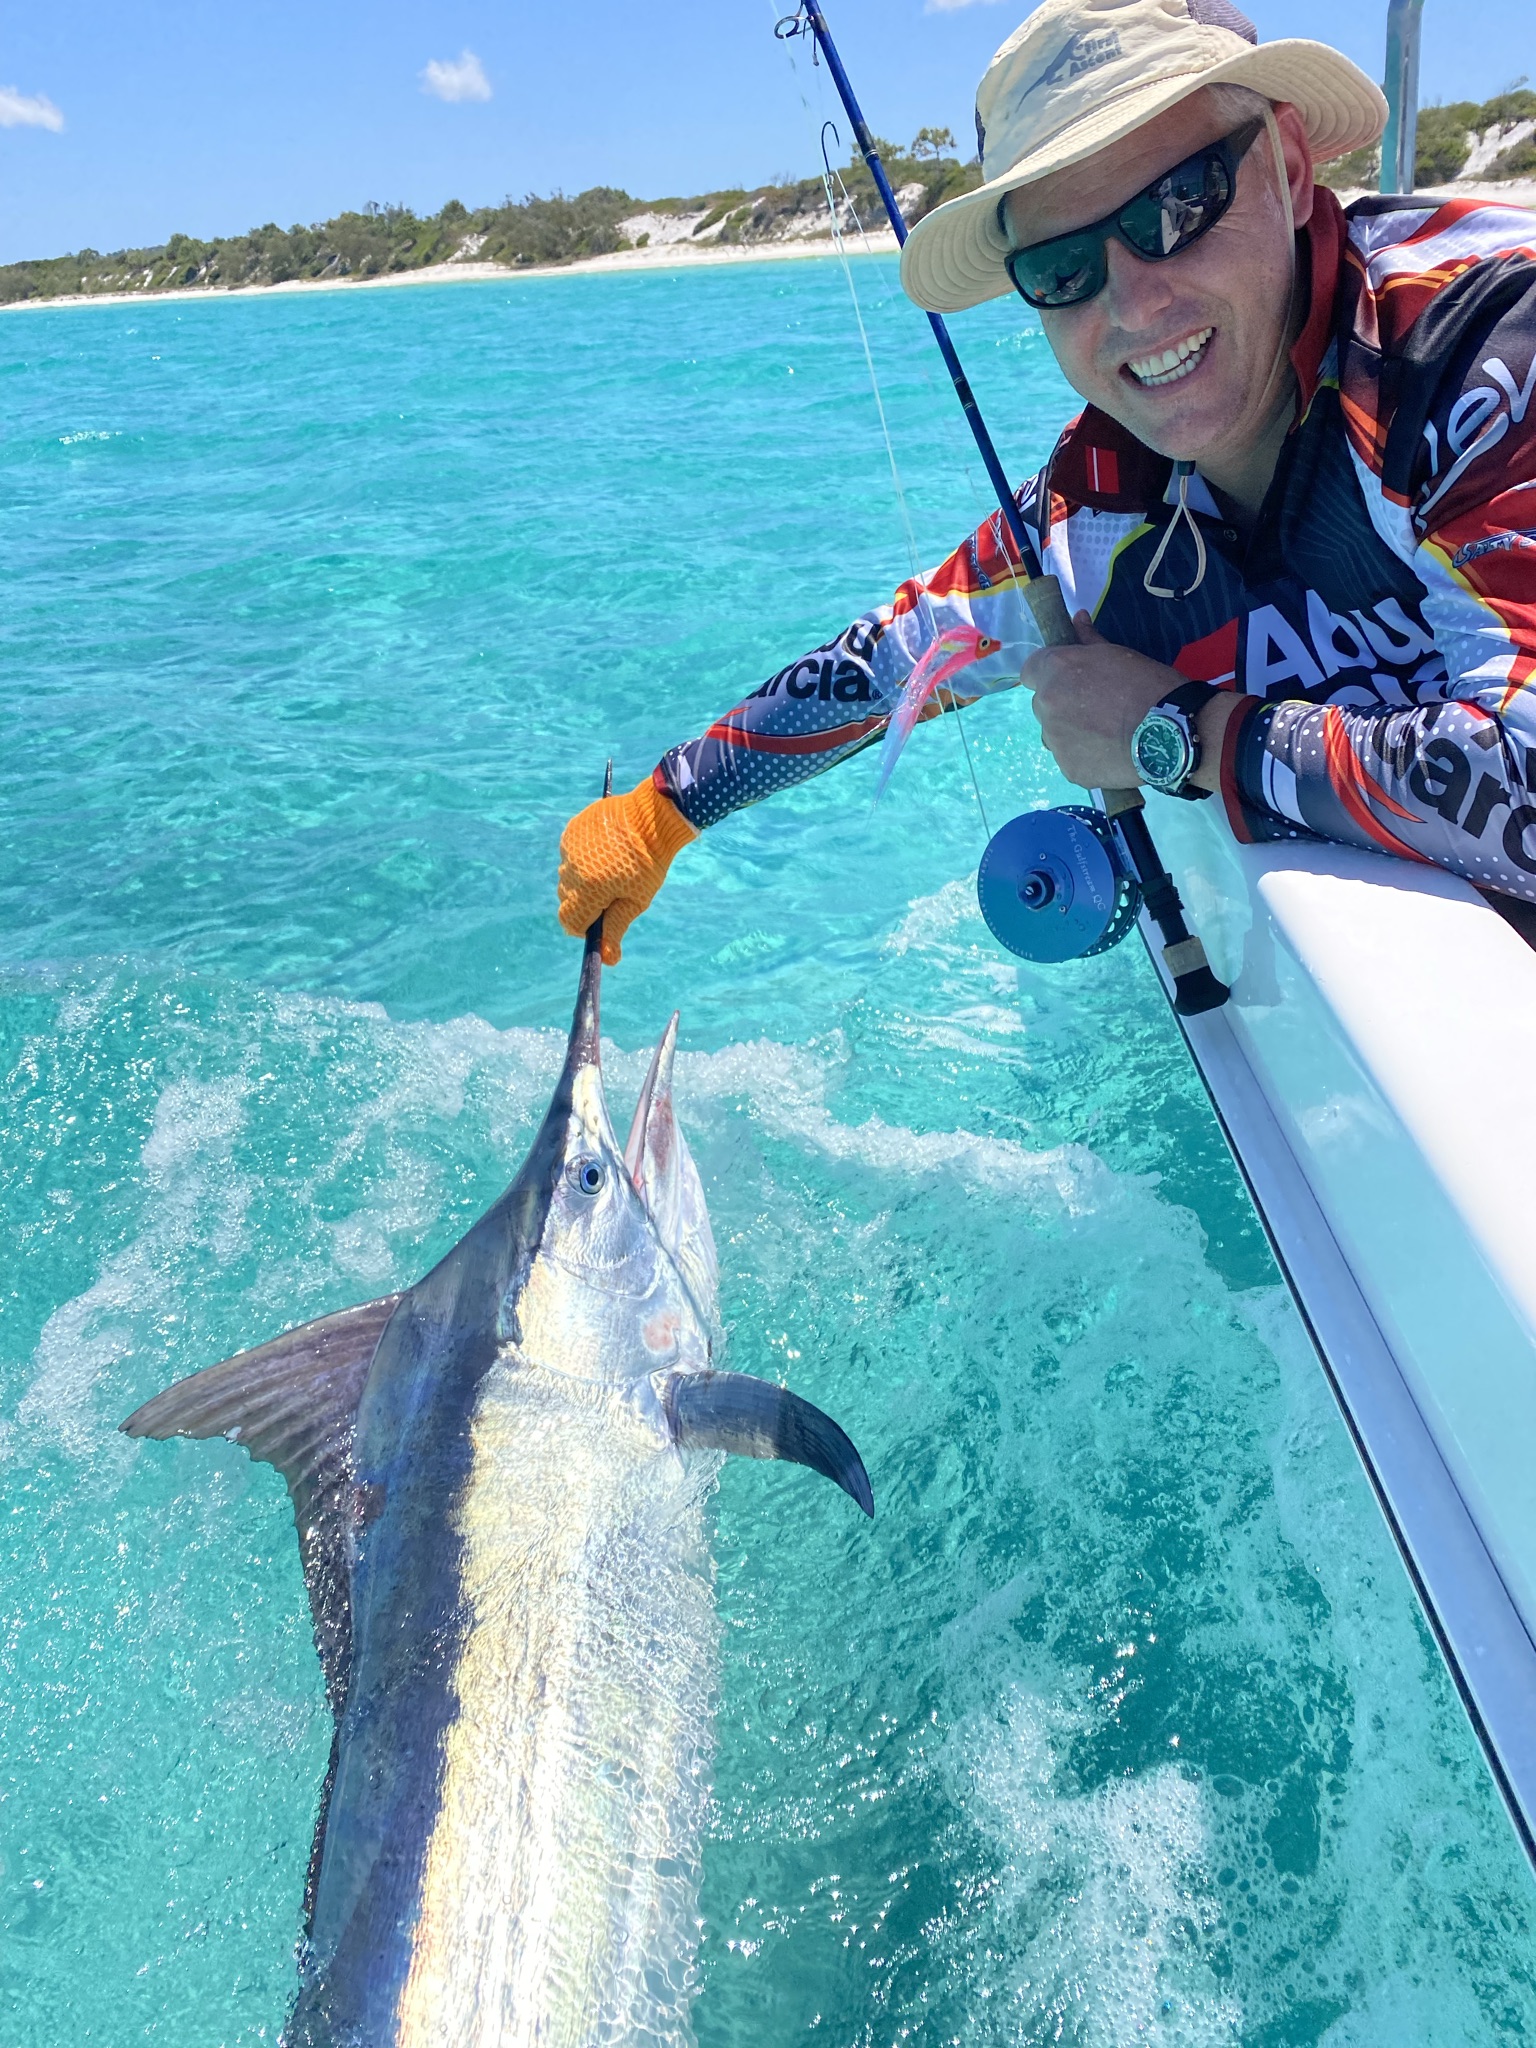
{"x": 1224, "y": 302}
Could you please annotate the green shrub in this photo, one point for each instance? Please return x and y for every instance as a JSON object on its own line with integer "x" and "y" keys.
{"x": 382, "y": 239}
{"x": 1444, "y": 141}
{"x": 1519, "y": 162}
{"x": 1514, "y": 105}
{"x": 725, "y": 203}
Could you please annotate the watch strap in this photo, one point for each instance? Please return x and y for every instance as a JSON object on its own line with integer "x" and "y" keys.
{"x": 1190, "y": 698}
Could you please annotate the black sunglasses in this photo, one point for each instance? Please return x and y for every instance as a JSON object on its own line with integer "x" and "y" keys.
{"x": 1175, "y": 210}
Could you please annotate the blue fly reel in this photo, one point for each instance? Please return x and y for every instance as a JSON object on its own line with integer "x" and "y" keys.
{"x": 1054, "y": 885}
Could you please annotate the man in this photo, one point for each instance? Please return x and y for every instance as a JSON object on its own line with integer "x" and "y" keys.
{"x": 1297, "y": 519}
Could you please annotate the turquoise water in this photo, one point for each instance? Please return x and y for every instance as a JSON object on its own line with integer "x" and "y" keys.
{"x": 322, "y": 612}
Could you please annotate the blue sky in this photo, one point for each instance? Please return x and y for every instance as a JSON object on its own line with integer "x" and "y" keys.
{"x": 122, "y": 123}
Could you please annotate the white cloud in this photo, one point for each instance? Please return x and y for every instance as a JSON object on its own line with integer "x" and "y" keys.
{"x": 461, "y": 78}
{"x": 28, "y": 110}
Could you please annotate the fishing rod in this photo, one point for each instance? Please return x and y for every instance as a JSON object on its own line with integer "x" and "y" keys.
{"x": 1051, "y": 883}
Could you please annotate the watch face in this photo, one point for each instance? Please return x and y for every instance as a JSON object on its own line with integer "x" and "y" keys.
{"x": 1162, "y": 750}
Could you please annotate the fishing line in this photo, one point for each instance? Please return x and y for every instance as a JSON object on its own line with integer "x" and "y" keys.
{"x": 1120, "y": 826}
{"x": 828, "y": 175}
{"x": 978, "y": 503}
{"x": 925, "y": 604}
{"x": 960, "y": 452}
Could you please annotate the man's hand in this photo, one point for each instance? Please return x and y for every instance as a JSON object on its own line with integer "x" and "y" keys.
{"x": 1090, "y": 698}
{"x": 614, "y": 856}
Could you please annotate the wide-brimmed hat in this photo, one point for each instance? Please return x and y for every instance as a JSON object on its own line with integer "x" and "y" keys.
{"x": 1079, "y": 74}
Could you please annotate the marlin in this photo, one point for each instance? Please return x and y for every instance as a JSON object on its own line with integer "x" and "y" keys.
{"x": 500, "y": 1478}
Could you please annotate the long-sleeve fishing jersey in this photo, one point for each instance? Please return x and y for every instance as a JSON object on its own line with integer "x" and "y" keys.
{"x": 1380, "y": 620}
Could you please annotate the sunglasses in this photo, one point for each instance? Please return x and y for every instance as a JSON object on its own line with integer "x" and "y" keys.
{"x": 1174, "y": 211}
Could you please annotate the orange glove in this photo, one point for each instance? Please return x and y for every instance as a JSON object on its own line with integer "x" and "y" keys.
{"x": 614, "y": 856}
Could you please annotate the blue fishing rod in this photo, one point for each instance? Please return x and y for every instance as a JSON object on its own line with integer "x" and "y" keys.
{"x": 1066, "y": 883}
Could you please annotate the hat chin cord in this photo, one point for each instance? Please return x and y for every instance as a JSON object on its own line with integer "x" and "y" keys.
{"x": 1182, "y": 515}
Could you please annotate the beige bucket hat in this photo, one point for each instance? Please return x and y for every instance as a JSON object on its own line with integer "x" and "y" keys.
{"x": 1079, "y": 74}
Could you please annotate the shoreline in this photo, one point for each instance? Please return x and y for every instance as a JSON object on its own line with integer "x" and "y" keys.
{"x": 665, "y": 256}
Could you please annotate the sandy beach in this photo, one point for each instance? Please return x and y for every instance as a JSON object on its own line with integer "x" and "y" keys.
{"x": 670, "y": 256}
{"x": 667, "y": 256}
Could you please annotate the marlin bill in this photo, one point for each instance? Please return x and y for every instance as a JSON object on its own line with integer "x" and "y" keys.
{"x": 500, "y": 1478}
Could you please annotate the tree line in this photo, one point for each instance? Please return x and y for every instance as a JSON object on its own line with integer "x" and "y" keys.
{"x": 519, "y": 234}
{"x": 1445, "y": 138}
{"x": 383, "y": 239}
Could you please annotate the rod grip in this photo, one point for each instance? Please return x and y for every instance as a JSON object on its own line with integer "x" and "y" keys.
{"x": 1043, "y": 596}
{"x": 1118, "y": 801}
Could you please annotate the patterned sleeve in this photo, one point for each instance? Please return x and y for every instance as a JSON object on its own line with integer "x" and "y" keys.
{"x": 837, "y": 699}
{"x": 1448, "y": 776}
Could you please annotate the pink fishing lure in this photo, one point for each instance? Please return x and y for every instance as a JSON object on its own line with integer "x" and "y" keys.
{"x": 954, "y": 650}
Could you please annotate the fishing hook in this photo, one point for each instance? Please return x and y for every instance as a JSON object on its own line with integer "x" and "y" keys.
{"x": 826, "y": 161}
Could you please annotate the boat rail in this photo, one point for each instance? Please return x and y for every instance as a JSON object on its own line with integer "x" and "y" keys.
{"x": 1370, "y": 1074}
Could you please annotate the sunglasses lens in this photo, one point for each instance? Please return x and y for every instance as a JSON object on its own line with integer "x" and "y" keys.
{"x": 1179, "y": 208}
{"x": 1159, "y": 222}
{"x": 1060, "y": 273}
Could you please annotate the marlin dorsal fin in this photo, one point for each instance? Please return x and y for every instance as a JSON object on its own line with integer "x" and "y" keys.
{"x": 292, "y": 1403}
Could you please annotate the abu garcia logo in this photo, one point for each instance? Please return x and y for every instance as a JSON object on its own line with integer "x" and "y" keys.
{"x": 1395, "y": 651}
{"x": 1384, "y": 655}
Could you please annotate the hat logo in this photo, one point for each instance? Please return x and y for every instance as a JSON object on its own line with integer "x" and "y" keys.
{"x": 1084, "y": 52}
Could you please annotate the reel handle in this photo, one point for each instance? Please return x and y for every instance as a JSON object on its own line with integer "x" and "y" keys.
{"x": 1195, "y": 987}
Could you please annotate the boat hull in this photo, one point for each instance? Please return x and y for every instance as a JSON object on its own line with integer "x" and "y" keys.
{"x": 1368, "y": 1072}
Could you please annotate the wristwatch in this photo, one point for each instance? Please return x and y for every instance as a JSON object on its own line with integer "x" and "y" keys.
{"x": 1166, "y": 744}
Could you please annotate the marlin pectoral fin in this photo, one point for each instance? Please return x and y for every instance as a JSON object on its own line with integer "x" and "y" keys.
{"x": 732, "y": 1411}
{"x": 292, "y": 1403}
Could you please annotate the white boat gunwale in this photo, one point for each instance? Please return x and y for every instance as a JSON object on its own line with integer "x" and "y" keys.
{"x": 1389, "y": 1372}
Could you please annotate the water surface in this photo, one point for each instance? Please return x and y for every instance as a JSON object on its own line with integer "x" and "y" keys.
{"x": 322, "y": 614}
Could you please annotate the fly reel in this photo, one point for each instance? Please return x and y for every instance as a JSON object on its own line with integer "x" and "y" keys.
{"x": 1054, "y": 885}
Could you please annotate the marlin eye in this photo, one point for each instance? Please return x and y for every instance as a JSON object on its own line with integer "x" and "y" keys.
{"x": 590, "y": 1176}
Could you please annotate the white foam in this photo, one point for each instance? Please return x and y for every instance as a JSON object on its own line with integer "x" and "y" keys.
{"x": 1100, "y": 1890}
{"x": 934, "y": 919}
{"x": 786, "y": 1090}
{"x": 192, "y": 1195}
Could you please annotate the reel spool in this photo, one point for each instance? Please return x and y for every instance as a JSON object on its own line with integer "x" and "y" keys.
{"x": 1054, "y": 885}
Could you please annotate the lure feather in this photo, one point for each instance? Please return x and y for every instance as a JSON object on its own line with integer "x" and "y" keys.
{"x": 955, "y": 649}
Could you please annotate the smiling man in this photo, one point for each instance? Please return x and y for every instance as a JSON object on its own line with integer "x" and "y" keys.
{"x": 1297, "y": 519}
